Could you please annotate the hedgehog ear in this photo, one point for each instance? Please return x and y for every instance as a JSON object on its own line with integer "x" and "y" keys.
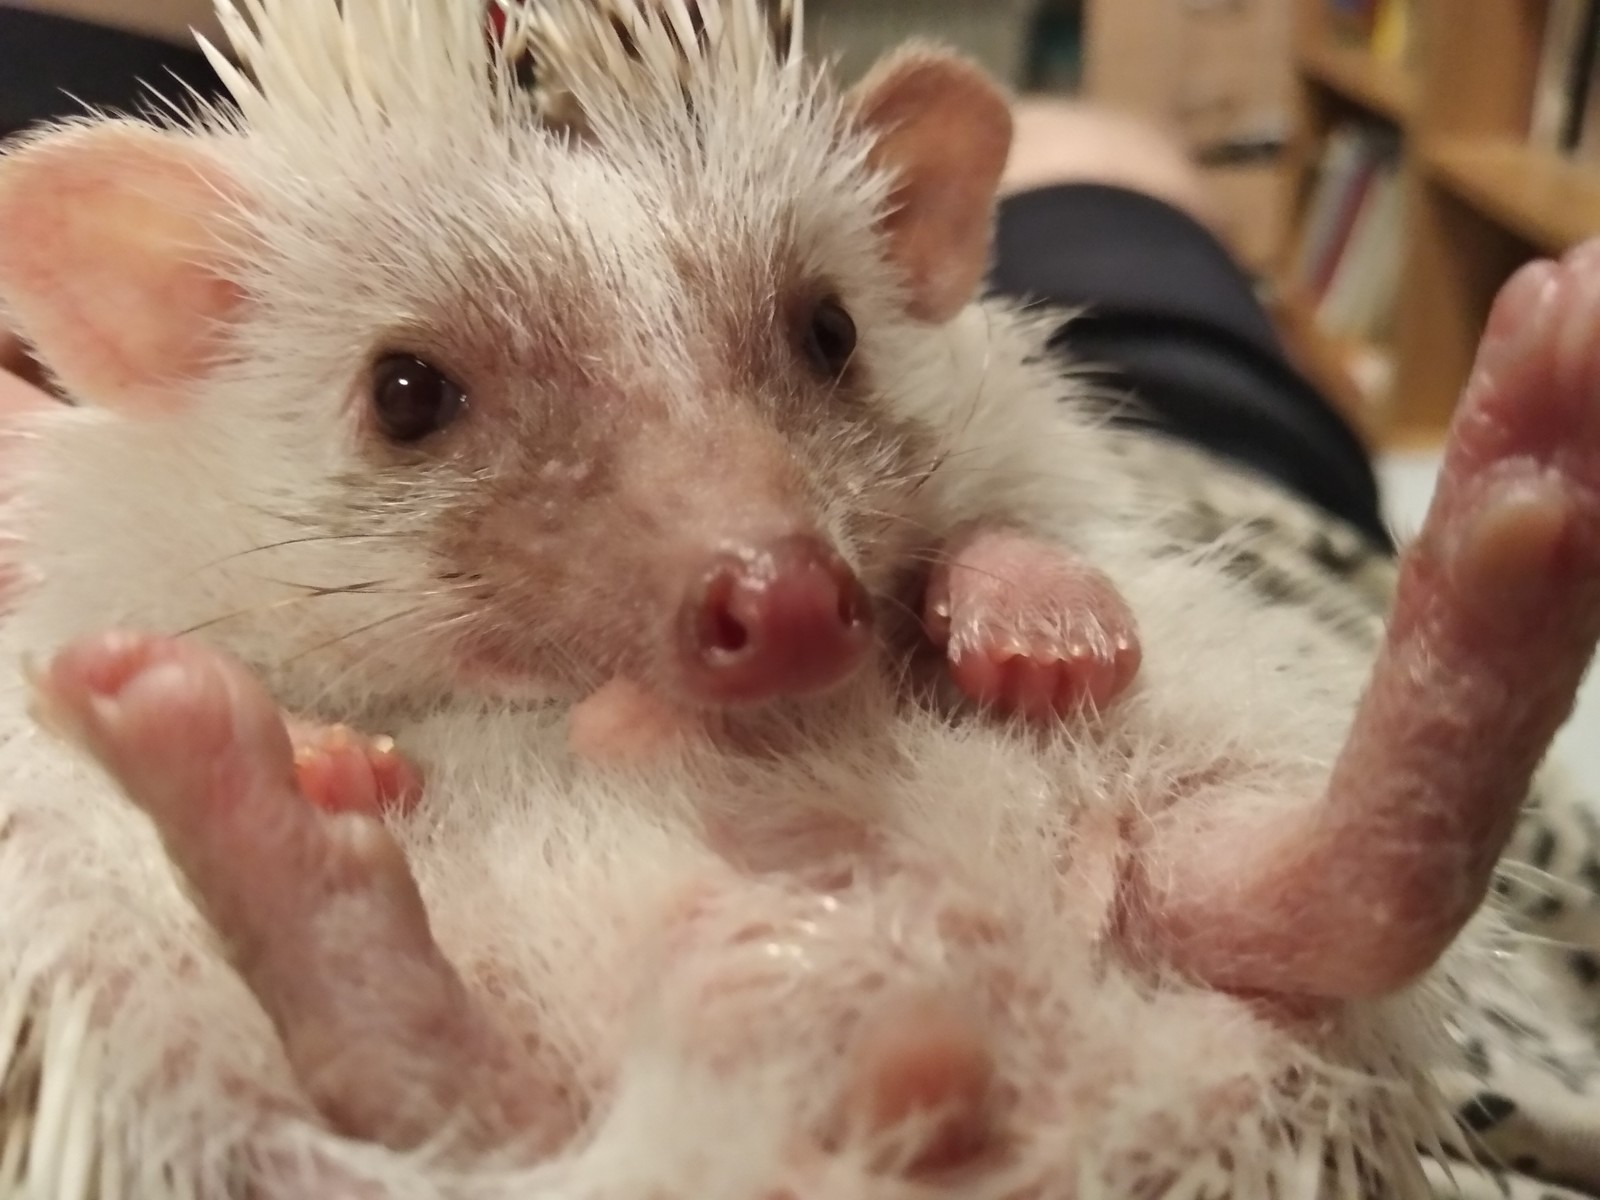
{"x": 943, "y": 131}
{"x": 112, "y": 261}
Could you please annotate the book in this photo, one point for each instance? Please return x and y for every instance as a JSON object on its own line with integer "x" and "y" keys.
{"x": 1582, "y": 135}
{"x": 1352, "y": 19}
{"x": 1340, "y": 154}
{"x": 1391, "y": 31}
{"x": 1352, "y": 158}
{"x": 1554, "y": 78}
{"x": 1351, "y": 241}
{"x": 1352, "y": 203}
{"x": 1582, "y": 86}
{"x": 1388, "y": 253}
{"x": 1358, "y": 302}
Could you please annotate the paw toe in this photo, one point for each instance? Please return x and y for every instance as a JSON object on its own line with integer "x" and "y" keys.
{"x": 343, "y": 772}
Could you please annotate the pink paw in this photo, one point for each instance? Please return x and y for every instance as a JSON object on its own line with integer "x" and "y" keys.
{"x": 623, "y": 723}
{"x": 1494, "y": 626}
{"x": 341, "y": 771}
{"x": 319, "y": 911}
{"x": 1029, "y": 629}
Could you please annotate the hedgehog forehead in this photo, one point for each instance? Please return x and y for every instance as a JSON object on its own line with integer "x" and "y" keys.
{"x": 504, "y": 253}
{"x": 747, "y": 170}
{"x": 526, "y": 211}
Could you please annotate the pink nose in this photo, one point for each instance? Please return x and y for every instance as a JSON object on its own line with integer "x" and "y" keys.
{"x": 783, "y": 619}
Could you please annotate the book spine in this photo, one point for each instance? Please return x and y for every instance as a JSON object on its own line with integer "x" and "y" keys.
{"x": 1355, "y": 289}
{"x": 1351, "y": 197}
{"x": 1391, "y": 33}
{"x": 1353, "y": 19}
{"x": 1322, "y": 212}
{"x": 1580, "y": 80}
{"x": 1559, "y": 48}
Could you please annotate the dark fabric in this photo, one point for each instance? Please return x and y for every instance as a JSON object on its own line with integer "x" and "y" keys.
{"x": 53, "y": 67}
{"x": 1173, "y": 321}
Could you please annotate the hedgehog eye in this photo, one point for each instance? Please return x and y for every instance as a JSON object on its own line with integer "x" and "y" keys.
{"x": 830, "y": 338}
{"x": 412, "y": 398}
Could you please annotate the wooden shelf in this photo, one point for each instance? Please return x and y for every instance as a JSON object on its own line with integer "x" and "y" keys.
{"x": 1550, "y": 202}
{"x": 1358, "y": 77}
{"x": 1479, "y": 203}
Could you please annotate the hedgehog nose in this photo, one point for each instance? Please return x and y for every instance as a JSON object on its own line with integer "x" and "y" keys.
{"x": 786, "y": 618}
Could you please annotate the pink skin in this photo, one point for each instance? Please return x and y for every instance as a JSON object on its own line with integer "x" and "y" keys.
{"x": 339, "y": 770}
{"x": 624, "y": 723}
{"x": 318, "y": 911}
{"x": 929, "y": 1064}
{"x": 1029, "y": 629}
{"x": 1496, "y": 621}
{"x": 787, "y": 618}
{"x": 922, "y": 1089}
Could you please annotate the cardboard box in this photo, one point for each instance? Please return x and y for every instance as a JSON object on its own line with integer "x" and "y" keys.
{"x": 1253, "y": 200}
{"x": 1212, "y": 70}
{"x": 998, "y": 34}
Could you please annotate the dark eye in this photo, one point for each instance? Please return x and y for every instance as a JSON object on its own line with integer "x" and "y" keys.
{"x": 831, "y": 338}
{"x": 412, "y": 398}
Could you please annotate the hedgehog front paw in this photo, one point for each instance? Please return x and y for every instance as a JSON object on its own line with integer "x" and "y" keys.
{"x": 1029, "y": 629}
{"x": 342, "y": 771}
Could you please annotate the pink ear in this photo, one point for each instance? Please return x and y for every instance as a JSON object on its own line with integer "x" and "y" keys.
{"x": 943, "y": 131}
{"x": 112, "y": 257}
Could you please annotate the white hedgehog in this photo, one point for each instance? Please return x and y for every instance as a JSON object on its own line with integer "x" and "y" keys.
{"x": 438, "y": 415}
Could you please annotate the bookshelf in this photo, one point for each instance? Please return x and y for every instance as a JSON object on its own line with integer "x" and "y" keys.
{"x": 1356, "y": 75}
{"x": 1479, "y": 198}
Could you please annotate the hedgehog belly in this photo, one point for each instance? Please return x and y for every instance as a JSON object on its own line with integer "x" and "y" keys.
{"x": 947, "y": 1005}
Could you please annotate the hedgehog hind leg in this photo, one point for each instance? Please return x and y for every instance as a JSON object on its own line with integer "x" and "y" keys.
{"x": 1495, "y": 622}
{"x": 319, "y": 912}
